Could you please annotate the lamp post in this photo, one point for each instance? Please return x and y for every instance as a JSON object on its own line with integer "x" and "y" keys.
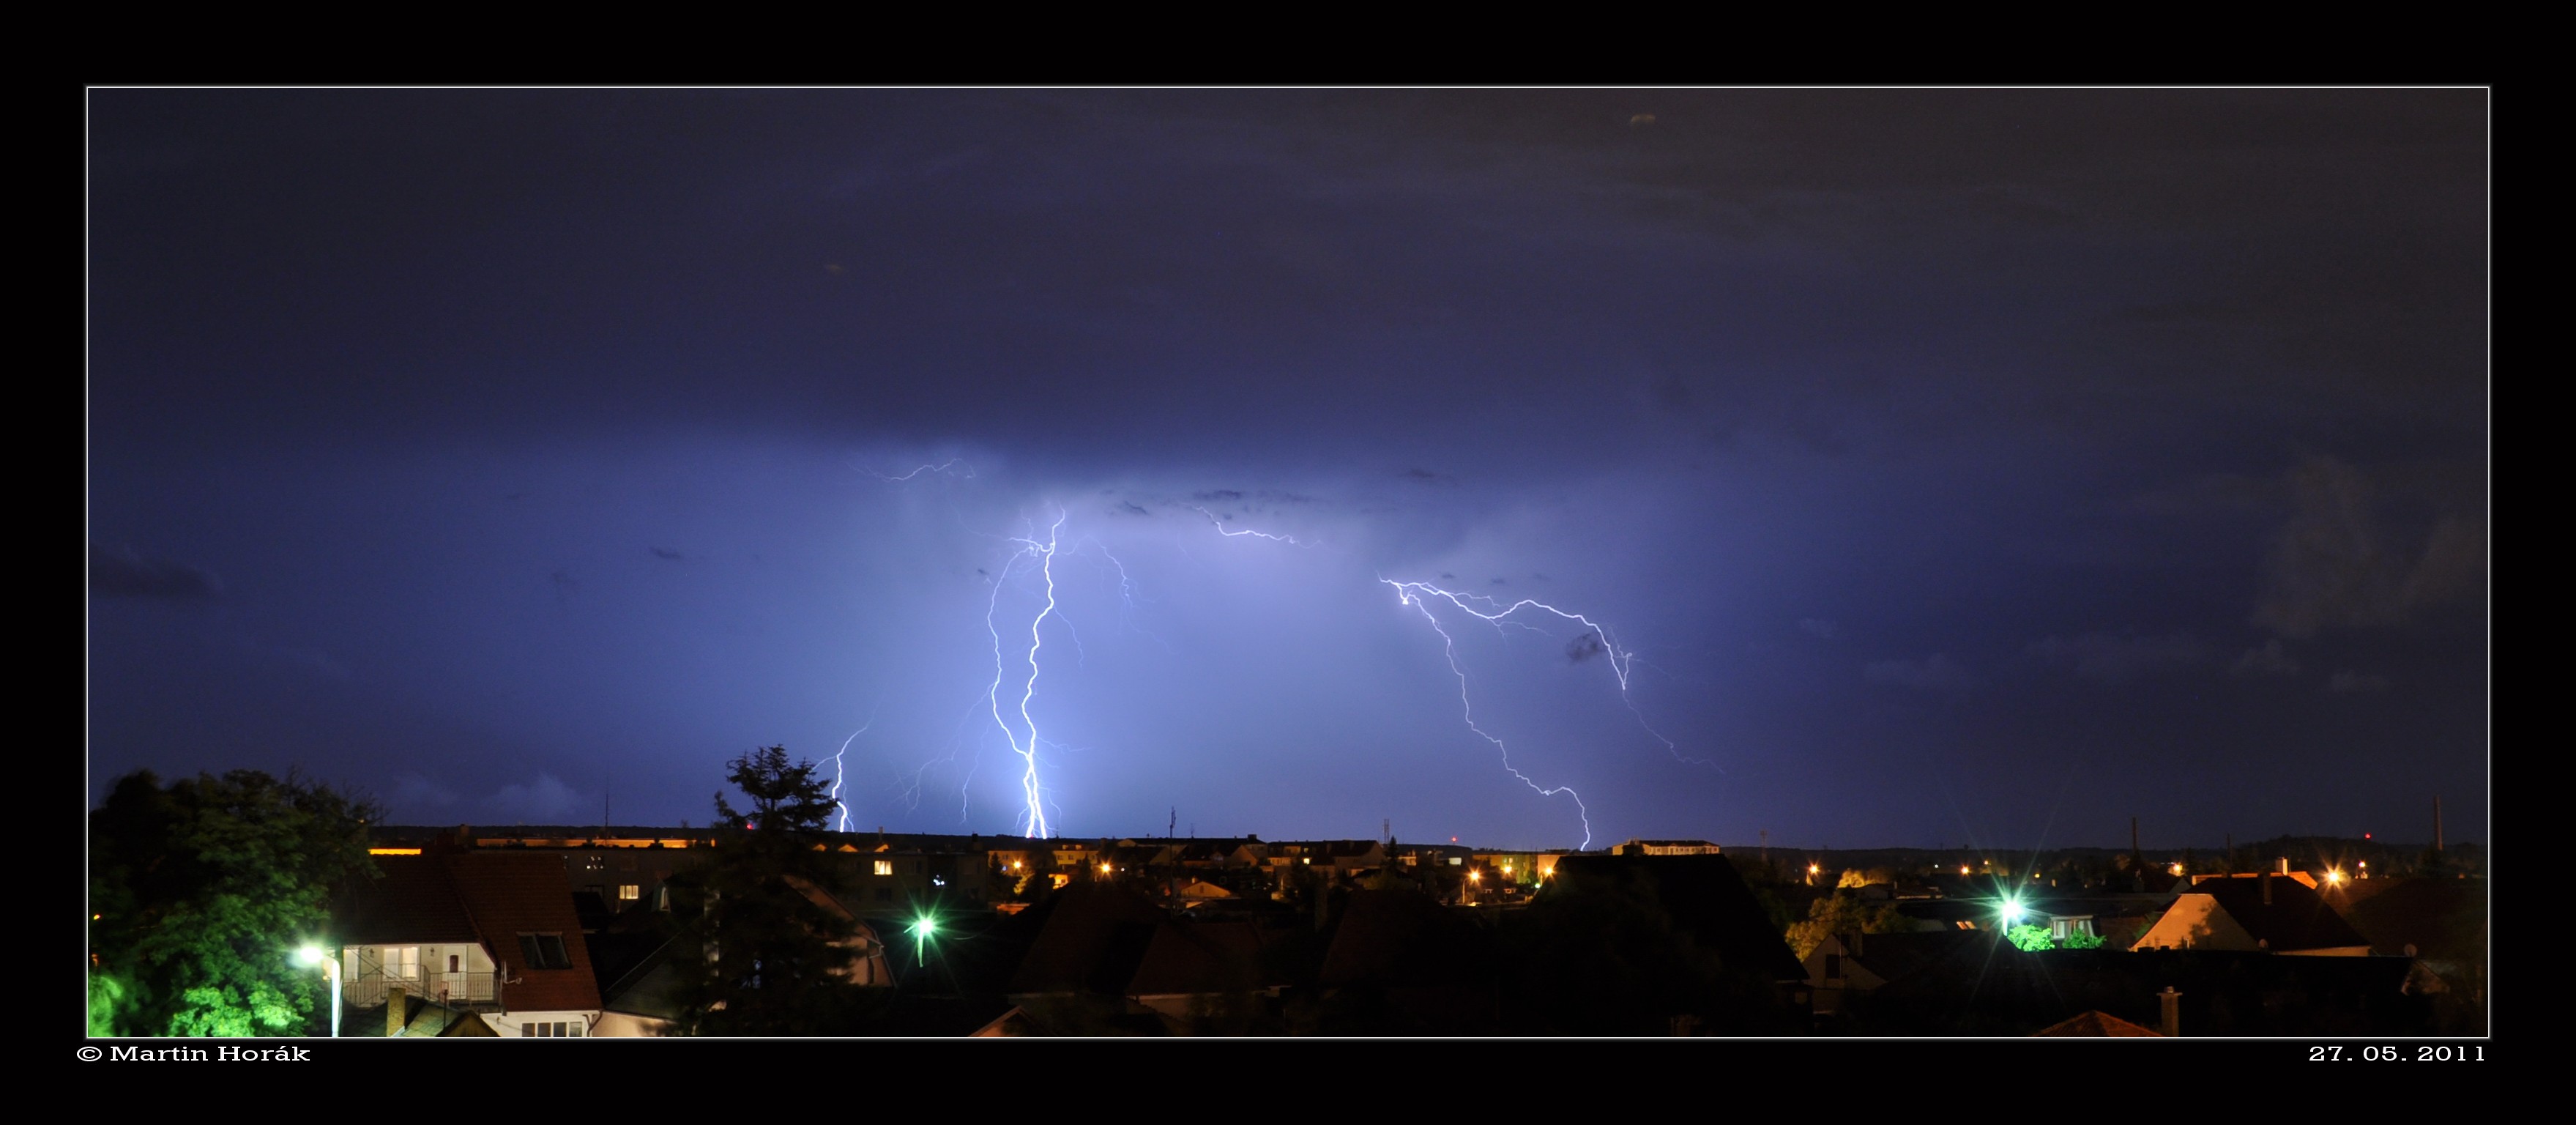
{"x": 330, "y": 962}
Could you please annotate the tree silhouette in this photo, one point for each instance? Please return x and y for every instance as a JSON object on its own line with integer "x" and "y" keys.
{"x": 201, "y": 894}
{"x": 766, "y": 947}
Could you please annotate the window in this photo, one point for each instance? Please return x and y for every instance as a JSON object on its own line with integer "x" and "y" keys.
{"x": 402, "y": 962}
{"x": 590, "y": 863}
{"x": 885, "y": 867}
{"x": 452, "y": 964}
{"x": 629, "y": 892}
{"x": 544, "y": 951}
{"x": 885, "y": 894}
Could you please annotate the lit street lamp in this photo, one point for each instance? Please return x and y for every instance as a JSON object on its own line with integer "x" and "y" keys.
{"x": 921, "y": 931}
{"x": 315, "y": 955}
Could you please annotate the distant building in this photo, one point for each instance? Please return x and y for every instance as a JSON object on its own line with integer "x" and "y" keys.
{"x": 1665, "y": 847}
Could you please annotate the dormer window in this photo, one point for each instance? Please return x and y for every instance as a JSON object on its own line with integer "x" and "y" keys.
{"x": 544, "y": 951}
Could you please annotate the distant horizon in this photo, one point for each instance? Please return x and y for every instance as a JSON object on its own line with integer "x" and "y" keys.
{"x": 594, "y": 830}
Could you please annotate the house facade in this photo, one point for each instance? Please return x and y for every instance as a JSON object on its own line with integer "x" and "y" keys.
{"x": 493, "y": 934}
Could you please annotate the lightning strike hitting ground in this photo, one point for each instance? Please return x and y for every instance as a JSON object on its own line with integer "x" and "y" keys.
{"x": 1035, "y": 825}
{"x": 838, "y": 772}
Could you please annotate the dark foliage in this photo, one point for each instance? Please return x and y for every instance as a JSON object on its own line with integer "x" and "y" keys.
{"x": 201, "y": 894}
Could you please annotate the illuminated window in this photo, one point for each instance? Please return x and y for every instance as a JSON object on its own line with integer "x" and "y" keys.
{"x": 629, "y": 892}
{"x": 885, "y": 867}
{"x": 402, "y": 962}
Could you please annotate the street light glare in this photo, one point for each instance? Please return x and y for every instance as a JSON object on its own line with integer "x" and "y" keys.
{"x": 311, "y": 955}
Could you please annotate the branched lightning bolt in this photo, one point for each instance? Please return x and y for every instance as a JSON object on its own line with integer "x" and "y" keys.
{"x": 941, "y": 467}
{"x": 838, "y": 772}
{"x": 1027, "y": 748}
{"x": 1221, "y": 529}
{"x": 1406, "y": 591}
{"x": 1622, "y": 661}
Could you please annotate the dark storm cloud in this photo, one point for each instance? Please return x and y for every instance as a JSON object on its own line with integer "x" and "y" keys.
{"x": 2349, "y": 682}
{"x": 126, "y": 574}
{"x": 2268, "y": 659}
{"x": 1936, "y": 672}
{"x": 1968, "y": 367}
{"x": 1584, "y": 648}
{"x": 2341, "y": 563}
{"x": 2117, "y": 658}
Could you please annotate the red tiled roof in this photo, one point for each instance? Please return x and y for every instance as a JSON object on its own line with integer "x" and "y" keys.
{"x": 413, "y": 904}
{"x": 485, "y": 897}
{"x": 507, "y": 895}
{"x": 2097, "y": 1024}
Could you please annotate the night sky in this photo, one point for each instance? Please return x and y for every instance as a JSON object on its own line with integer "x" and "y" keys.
{"x": 1947, "y": 467}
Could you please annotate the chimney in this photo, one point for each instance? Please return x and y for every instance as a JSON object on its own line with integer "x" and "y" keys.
{"x": 2437, "y": 822}
{"x": 2171, "y": 1003}
{"x": 2267, "y": 888}
{"x": 397, "y": 1011}
{"x": 2133, "y": 835}
{"x": 2284, "y": 862}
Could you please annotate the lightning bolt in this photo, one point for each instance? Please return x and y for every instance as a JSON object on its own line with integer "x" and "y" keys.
{"x": 838, "y": 772}
{"x": 1414, "y": 595}
{"x": 1622, "y": 661}
{"x": 1221, "y": 529}
{"x": 941, "y": 468}
{"x": 1043, "y": 553}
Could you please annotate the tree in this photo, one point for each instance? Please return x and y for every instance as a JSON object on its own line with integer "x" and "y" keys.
{"x": 767, "y": 949}
{"x": 201, "y": 893}
{"x": 1843, "y": 914}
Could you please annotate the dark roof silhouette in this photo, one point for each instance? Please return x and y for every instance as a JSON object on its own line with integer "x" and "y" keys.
{"x": 2297, "y": 918}
{"x": 1094, "y": 937}
{"x": 2001, "y": 990}
{"x": 1202, "y": 957}
{"x": 2444, "y": 919}
{"x": 1704, "y": 897}
{"x": 1397, "y": 939}
{"x": 1894, "y": 957}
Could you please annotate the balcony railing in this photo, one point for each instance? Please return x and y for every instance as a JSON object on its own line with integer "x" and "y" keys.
{"x": 464, "y": 990}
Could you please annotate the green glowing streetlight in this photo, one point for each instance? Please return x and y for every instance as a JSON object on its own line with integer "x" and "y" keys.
{"x": 316, "y": 955}
{"x": 922, "y": 928}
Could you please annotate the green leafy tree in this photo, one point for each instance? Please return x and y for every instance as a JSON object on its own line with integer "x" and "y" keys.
{"x": 767, "y": 949}
{"x": 2029, "y": 937}
{"x": 201, "y": 892}
{"x": 1843, "y": 914}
